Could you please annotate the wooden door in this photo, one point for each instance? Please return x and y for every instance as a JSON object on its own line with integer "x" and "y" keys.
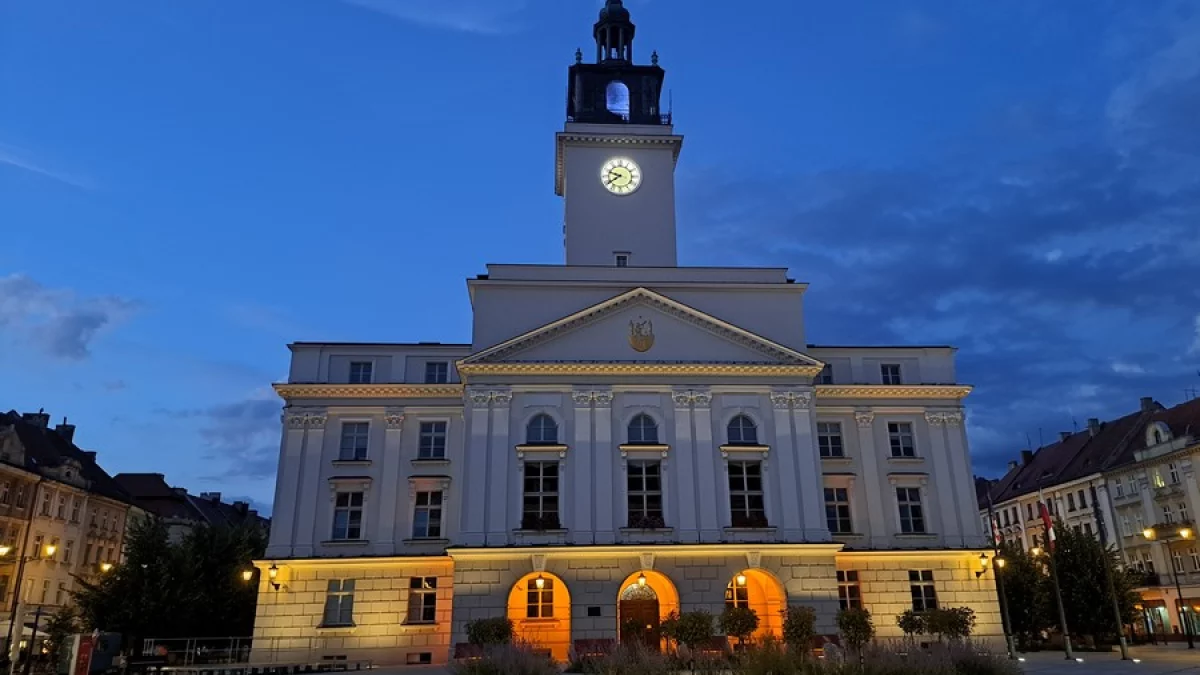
{"x": 645, "y": 614}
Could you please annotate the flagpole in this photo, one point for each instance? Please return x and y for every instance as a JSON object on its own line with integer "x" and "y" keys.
{"x": 1062, "y": 612}
{"x": 1101, "y": 526}
{"x": 1007, "y": 629}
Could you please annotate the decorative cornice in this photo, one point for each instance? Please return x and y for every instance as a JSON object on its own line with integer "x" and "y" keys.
{"x": 639, "y": 368}
{"x": 910, "y": 391}
{"x": 291, "y": 392}
{"x": 949, "y": 419}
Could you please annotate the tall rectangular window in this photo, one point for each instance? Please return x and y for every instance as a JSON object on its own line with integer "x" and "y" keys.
{"x": 1082, "y": 499}
{"x": 1173, "y": 473}
{"x": 1183, "y": 512}
{"x": 422, "y": 600}
{"x": 5, "y": 498}
{"x": 19, "y": 499}
{"x": 540, "y": 500}
{"x": 747, "y": 505}
{"x": 1148, "y": 562}
{"x": 912, "y": 516}
{"x": 924, "y": 594}
{"x": 890, "y": 373}
{"x": 61, "y": 514}
{"x": 68, "y": 551}
{"x": 76, "y": 506}
{"x": 1029, "y": 512}
{"x": 437, "y": 372}
{"x": 431, "y": 443}
{"x": 427, "y": 515}
{"x": 1193, "y": 553}
{"x": 361, "y": 372}
{"x": 1118, "y": 488}
{"x": 539, "y": 598}
{"x": 826, "y": 375}
{"x": 1070, "y": 502}
{"x": 829, "y": 439}
{"x": 47, "y": 498}
{"x": 644, "y": 493}
{"x": 339, "y": 603}
{"x": 837, "y": 510}
{"x": 849, "y": 591}
{"x": 347, "y": 516}
{"x": 354, "y": 441}
{"x": 900, "y": 438}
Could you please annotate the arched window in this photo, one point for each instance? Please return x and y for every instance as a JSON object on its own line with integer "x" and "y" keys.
{"x": 742, "y": 431}
{"x": 541, "y": 430}
{"x": 1157, "y": 433}
{"x": 643, "y": 429}
{"x": 617, "y": 98}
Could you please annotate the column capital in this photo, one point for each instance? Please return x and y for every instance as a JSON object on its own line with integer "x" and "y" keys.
{"x": 480, "y": 398}
{"x": 582, "y": 399}
{"x": 800, "y": 400}
{"x": 864, "y": 418}
{"x": 394, "y": 419}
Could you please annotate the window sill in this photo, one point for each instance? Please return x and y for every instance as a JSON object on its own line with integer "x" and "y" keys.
{"x": 646, "y": 447}
{"x": 736, "y": 529}
{"x": 345, "y": 542}
{"x": 527, "y": 533}
{"x": 552, "y": 448}
{"x": 727, "y": 449}
{"x": 906, "y": 460}
{"x": 846, "y": 535}
{"x": 647, "y": 530}
{"x": 352, "y": 462}
{"x": 420, "y": 624}
{"x": 426, "y": 541}
{"x": 431, "y": 461}
{"x": 837, "y": 459}
{"x": 336, "y": 628}
{"x": 916, "y": 535}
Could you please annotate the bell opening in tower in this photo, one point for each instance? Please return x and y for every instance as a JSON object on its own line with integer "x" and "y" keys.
{"x": 615, "y": 90}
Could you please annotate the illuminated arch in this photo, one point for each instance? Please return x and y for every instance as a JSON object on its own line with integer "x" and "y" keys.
{"x": 616, "y": 98}
{"x": 658, "y": 586}
{"x": 762, "y": 592}
{"x": 541, "y": 615}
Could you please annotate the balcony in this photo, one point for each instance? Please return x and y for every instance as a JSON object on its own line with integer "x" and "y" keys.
{"x": 1149, "y": 580}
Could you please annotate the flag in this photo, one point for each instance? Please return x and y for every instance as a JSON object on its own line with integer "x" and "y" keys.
{"x": 1047, "y": 522}
{"x": 994, "y": 521}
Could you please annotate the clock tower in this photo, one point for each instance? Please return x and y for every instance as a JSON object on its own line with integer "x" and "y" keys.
{"x": 616, "y": 155}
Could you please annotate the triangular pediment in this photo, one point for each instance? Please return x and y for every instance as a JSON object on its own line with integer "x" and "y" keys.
{"x": 645, "y": 327}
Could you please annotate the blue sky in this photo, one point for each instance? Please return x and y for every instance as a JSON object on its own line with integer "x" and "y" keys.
{"x": 187, "y": 186}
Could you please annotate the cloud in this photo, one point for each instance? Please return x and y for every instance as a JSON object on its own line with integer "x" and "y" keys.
{"x": 469, "y": 16}
{"x": 20, "y": 159}
{"x": 1055, "y": 254}
{"x": 59, "y": 321}
{"x": 242, "y": 437}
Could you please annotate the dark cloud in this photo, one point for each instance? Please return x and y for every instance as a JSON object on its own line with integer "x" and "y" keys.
{"x": 1058, "y": 253}
{"x": 241, "y": 437}
{"x": 59, "y": 321}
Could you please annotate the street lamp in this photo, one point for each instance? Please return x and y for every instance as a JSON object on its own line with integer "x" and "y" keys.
{"x": 1151, "y": 533}
{"x": 247, "y": 575}
{"x": 5, "y": 550}
{"x": 983, "y": 565}
{"x": 1035, "y": 551}
{"x": 106, "y": 567}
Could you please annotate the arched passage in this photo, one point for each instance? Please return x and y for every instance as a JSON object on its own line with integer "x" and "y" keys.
{"x": 644, "y": 600}
{"x": 539, "y": 606}
{"x": 762, "y": 592}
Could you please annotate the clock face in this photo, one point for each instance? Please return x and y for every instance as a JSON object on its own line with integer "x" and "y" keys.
{"x": 621, "y": 175}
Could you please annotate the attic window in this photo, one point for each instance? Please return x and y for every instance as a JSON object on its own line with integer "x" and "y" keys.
{"x": 1157, "y": 433}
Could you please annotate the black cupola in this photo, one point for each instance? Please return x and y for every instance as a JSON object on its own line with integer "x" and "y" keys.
{"x": 613, "y": 90}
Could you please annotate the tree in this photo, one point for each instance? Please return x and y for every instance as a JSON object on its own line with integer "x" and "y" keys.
{"x": 799, "y": 628}
{"x": 143, "y": 596}
{"x": 691, "y": 629}
{"x": 1026, "y": 586}
{"x": 950, "y": 623}
{"x": 62, "y": 625}
{"x": 497, "y": 630}
{"x": 1081, "y": 562}
{"x": 856, "y": 627}
{"x": 739, "y": 622}
{"x": 912, "y": 623}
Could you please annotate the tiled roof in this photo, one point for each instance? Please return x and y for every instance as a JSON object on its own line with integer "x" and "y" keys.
{"x": 151, "y": 492}
{"x": 45, "y": 448}
{"x": 217, "y": 512}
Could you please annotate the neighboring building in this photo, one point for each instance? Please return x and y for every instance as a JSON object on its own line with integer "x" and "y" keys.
{"x": 1144, "y": 469}
{"x": 623, "y": 437}
{"x": 180, "y": 511}
{"x": 75, "y": 512}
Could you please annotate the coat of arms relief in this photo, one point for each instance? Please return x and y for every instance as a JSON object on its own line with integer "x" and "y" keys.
{"x": 641, "y": 334}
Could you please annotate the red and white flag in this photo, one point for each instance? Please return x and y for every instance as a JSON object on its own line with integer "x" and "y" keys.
{"x": 1047, "y": 521}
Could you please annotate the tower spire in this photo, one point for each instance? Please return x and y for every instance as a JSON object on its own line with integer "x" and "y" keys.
{"x": 614, "y": 34}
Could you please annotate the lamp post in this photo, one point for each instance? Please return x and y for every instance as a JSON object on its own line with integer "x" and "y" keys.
{"x": 49, "y": 550}
{"x": 1152, "y": 533}
{"x": 997, "y": 567}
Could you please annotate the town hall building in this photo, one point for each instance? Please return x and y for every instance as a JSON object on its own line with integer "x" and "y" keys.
{"x": 622, "y": 437}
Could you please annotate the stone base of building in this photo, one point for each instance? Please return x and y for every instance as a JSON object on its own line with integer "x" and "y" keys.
{"x": 415, "y": 609}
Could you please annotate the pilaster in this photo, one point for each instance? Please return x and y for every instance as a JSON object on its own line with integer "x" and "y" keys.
{"x": 287, "y": 499}
{"x": 604, "y": 458}
{"x": 474, "y": 499}
{"x": 583, "y": 463}
{"x": 707, "y": 477}
{"x": 787, "y": 453}
{"x": 808, "y": 483}
{"x": 310, "y": 480}
{"x": 873, "y": 488}
{"x": 946, "y": 515}
{"x": 685, "y": 468}
{"x": 501, "y": 458}
{"x": 389, "y": 470}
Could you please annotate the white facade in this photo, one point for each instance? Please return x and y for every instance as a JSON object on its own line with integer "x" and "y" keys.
{"x": 614, "y": 418}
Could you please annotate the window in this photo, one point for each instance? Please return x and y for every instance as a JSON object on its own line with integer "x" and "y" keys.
{"x": 912, "y": 516}
{"x": 427, "y": 515}
{"x": 422, "y": 600}
{"x": 1007, "y": 519}
{"x": 746, "y": 504}
{"x": 4, "y": 496}
{"x": 616, "y": 94}
{"x": 900, "y": 436}
{"x": 849, "y": 592}
{"x": 60, "y": 593}
{"x": 1133, "y": 486}
{"x": 67, "y": 551}
{"x": 1087, "y": 528}
{"x": 890, "y": 373}
{"x": 1124, "y": 526}
{"x": 737, "y": 594}
{"x": 45, "y": 590}
{"x": 53, "y": 544}
{"x": 1173, "y": 473}
{"x": 1183, "y": 512}
{"x": 46, "y": 499}
{"x": 924, "y": 595}
{"x": 87, "y": 553}
{"x": 38, "y": 546}
{"x": 339, "y": 603}
{"x": 539, "y": 598}
{"x": 826, "y": 375}
{"x": 829, "y": 439}
{"x": 837, "y": 510}
{"x": 1177, "y": 561}
{"x": 437, "y": 372}
{"x": 644, "y": 492}
{"x": 643, "y": 430}
{"x": 1148, "y": 562}
{"x": 19, "y": 499}
{"x": 742, "y": 431}
{"x": 1082, "y": 500}
{"x": 1070, "y": 502}
{"x": 431, "y": 442}
{"x": 354, "y": 441}
{"x": 540, "y": 505}
{"x": 1139, "y": 523}
{"x": 1029, "y": 512}
{"x": 360, "y": 372}
{"x": 1194, "y": 553}
{"x": 76, "y": 506}
{"x": 1168, "y": 517}
{"x": 1158, "y": 479}
{"x": 541, "y": 430}
{"x": 1119, "y": 488}
{"x": 622, "y": 260}
{"x": 347, "y": 516}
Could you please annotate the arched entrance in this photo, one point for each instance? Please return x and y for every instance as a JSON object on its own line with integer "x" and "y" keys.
{"x": 762, "y": 592}
{"x": 540, "y": 609}
{"x": 645, "y": 599}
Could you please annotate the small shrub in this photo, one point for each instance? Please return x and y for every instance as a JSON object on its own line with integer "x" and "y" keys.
{"x": 497, "y": 630}
{"x": 951, "y": 623}
{"x": 769, "y": 658}
{"x": 627, "y": 659}
{"x": 738, "y": 622}
{"x": 856, "y": 627}
{"x": 693, "y": 629}
{"x": 507, "y": 660}
{"x": 799, "y": 628}
{"x": 912, "y": 623}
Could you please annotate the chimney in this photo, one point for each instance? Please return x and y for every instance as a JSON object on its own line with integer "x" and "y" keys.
{"x": 1093, "y": 425}
{"x": 1148, "y": 404}
{"x": 67, "y": 431}
{"x": 214, "y": 497}
{"x": 39, "y": 419}
{"x": 1026, "y": 457}
{"x": 1012, "y": 464}
{"x": 91, "y": 454}
{"x": 241, "y": 507}
{"x": 1064, "y": 435}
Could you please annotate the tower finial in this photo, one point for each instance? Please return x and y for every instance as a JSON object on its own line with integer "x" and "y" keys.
{"x": 578, "y": 56}
{"x": 654, "y": 58}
